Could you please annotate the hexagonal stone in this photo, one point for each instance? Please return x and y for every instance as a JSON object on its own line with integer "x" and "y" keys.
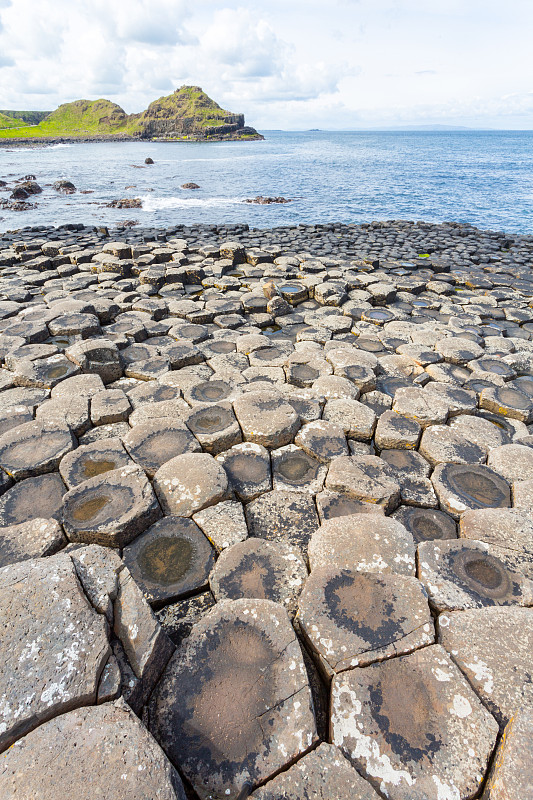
{"x": 335, "y": 387}
{"x": 458, "y": 349}
{"x": 336, "y": 504}
{"x": 54, "y": 645}
{"x": 365, "y": 543}
{"x": 44, "y": 373}
{"x": 151, "y": 444}
{"x": 323, "y": 440}
{"x": 508, "y": 402}
{"x": 242, "y": 663}
{"x": 512, "y": 769}
{"x": 248, "y": 469}
{"x": 480, "y": 431}
{"x": 171, "y": 559}
{"x": 100, "y": 751}
{"x": 460, "y": 401}
{"x": 351, "y": 619}
{"x": 67, "y": 412}
{"x": 32, "y": 498}
{"x": 210, "y": 392}
{"x": 266, "y": 418}
{"x": 413, "y": 727}
{"x": 97, "y": 356}
{"x": 396, "y": 431}
{"x": 34, "y": 448}
{"x": 461, "y": 487}
{"x": 164, "y": 409}
{"x": 441, "y": 444}
{"x": 288, "y": 517}
{"x": 493, "y": 646}
{"x": 294, "y": 469}
{"x": 461, "y": 574}
{"x": 426, "y": 523}
{"x": 420, "y": 406}
{"x": 364, "y": 478}
{"x": 509, "y": 531}
{"x": 97, "y": 569}
{"x": 323, "y": 774}
{"x": 91, "y": 460}
{"x": 33, "y": 539}
{"x": 513, "y": 461}
{"x": 111, "y": 405}
{"x": 356, "y": 419}
{"x": 264, "y": 570}
{"x": 110, "y": 509}
{"x": 223, "y": 524}
{"x": 215, "y": 427}
{"x": 190, "y": 482}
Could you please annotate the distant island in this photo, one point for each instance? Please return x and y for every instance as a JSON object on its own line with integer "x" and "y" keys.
{"x": 188, "y": 114}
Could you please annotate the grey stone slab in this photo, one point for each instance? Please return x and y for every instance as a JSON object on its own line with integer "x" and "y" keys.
{"x": 248, "y": 468}
{"x": 512, "y": 770}
{"x": 283, "y": 516}
{"x": 34, "y": 448}
{"x": 91, "y": 460}
{"x": 461, "y": 487}
{"x": 31, "y": 499}
{"x": 234, "y": 705}
{"x": 223, "y": 524}
{"x": 53, "y": 644}
{"x": 413, "y": 727}
{"x": 190, "y": 482}
{"x": 33, "y": 539}
{"x": 100, "y": 751}
{"x": 365, "y": 478}
{"x": 266, "y": 418}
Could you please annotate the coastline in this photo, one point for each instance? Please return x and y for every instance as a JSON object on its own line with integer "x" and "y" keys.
{"x": 107, "y": 138}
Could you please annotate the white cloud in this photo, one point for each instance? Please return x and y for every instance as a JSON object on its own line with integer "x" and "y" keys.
{"x": 294, "y": 64}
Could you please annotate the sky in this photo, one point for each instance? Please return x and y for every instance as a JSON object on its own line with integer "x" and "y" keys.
{"x": 289, "y": 64}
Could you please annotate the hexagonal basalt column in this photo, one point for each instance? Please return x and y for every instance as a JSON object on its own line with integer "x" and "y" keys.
{"x": 234, "y": 705}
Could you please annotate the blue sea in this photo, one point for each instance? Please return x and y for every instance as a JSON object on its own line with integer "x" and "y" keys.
{"x": 481, "y": 177}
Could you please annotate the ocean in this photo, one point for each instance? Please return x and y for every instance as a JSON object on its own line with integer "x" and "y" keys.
{"x": 481, "y": 177}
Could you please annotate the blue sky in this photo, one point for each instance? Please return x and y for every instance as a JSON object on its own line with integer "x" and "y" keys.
{"x": 289, "y": 64}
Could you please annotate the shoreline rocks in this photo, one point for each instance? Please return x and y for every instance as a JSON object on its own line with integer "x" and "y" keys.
{"x": 265, "y": 518}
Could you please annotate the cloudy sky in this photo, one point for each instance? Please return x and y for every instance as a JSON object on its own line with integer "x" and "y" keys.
{"x": 291, "y": 64}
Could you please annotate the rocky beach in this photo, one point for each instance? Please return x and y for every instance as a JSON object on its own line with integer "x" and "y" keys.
{"x": 266, "y": 512}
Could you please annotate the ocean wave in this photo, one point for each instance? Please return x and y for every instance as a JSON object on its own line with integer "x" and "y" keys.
{"x": 151, "y": 203}
{"x": 58, "y": 146}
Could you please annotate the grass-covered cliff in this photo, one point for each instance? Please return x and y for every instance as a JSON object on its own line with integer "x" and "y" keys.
{"x": 186, "y": 114}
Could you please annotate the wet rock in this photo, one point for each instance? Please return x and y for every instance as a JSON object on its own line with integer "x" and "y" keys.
{"x": 215, "y": 427}
{"x": 91, "y": 460}
{"x": 513, "y": 461}
{"x": 190, "y": 186}
{"x": 365, "y": 478}
{"x": 30, "y": 498}
{"x": 294, "y": 469}
{"x": 512, "y": 772}
{"x": 363, "y": 542}
{"x": 413, "y": 727}
{"x": 190, "y": 482}
{"x": 34, "y": 448}
{"x": 461, "y": 574}
{"x": 64, "y": 187}
{"x": 288, "y": 517}
{"x": 170, "y": 560}
{"x": 151, "y": 444}
{"x": 53, "y": 643}
{"x": 492, "y": 647}
{"x": 461, "y": 487}
{"x": 33, "y": 539}
{"x": 259, "y": 569}
{"x": 110, "y": 509}
{"x": 248, "y": 468}
{"x": 508, "y": 531}
{"x": 241, "y": 662}
{"x": 324, "y": 773}
{"x": 426, "y": 523}
{"x": 351, "y": 619}
{"x": 266, "y": 418}
{"x": 223, "y": 524}
{"x": 100, "y": 751}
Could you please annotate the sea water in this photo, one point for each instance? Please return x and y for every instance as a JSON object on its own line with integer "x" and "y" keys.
{"x": 481, "y": 177}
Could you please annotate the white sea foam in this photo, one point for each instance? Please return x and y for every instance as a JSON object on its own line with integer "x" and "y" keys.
{"x": 151, "y": 203}
{"x": 59, "y": 146}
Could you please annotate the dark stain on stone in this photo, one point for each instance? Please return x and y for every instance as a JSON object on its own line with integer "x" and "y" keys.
{"x": 358, "y": 602}
{"x": 304, "y": 372}
{"x": 427, "y": 524}
{"x": 248, "y": 468}
{"x": 407, "y": 710}
{"x": 88, "y": 509}
{"x": 210, "y": 421}
{"x": 297, "y": 468}
{"x": 211, "y": 391}
{"x": 166, "y": 560}
{"x": 481, "y": 489}
{"x": 482, "y": 575}
{"x": 254, "y": 577}
{"x": 57, "y": 372}
{"x": 92, "y": 467}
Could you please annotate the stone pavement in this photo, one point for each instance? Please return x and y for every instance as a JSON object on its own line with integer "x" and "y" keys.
{"x": 266, "y": 513}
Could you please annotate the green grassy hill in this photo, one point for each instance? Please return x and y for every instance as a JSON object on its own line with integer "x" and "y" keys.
{"x": 10, "y": 122}
{"x": 188, "y": 113}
